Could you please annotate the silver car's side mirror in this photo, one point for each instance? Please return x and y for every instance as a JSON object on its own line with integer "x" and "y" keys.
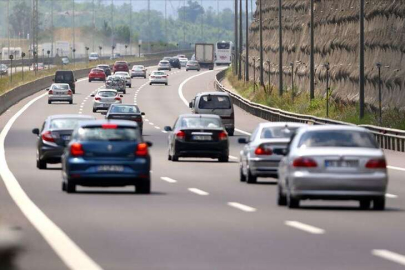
{"x": 167, "y": 128}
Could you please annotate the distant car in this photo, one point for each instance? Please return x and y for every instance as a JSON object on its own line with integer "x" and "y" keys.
{"x": 175, "y": 62}
{"x": 193, "y": 65}
{"x": 167, "y": 58}
{"x": 116, "y": 82}
{"x": 39, "y": 66}
{"x": 66, "y": 76}
{"x": 126, "y": 76}
{"x": 93, "y": 56}
{"x": 120, "y": 66}
{"x": 158, "y": 77}
{"x": 54, "y": 135}
{"x": 181, "y": 56}
{"x": 107, "y": 153}
{"x": 3, "y": 69}
{"x": 65, "y": 61}
{"x": 60, "y": 92}
{"x": 164, "y": 65}
{"x": 183, "y": 61}
{"x": 97, "y": 74}
{"x": 218, "y": 103}
{"x": 106, "y": 68}
{"x": 128, "y": 112}
{"x": 104, "y": 98}
{"x": 115, "y": 56}
{"x": 198, "y": 136}
{"x": 333, "y": 163}
{"x": 138, "y": 71}
{"x": 257, "y": 158}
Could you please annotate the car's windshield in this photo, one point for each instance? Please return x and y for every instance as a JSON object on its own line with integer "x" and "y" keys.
{"x": 66, "y": 123}
{"x": 214, "y": 102}
{"x": 124, "y": 109}
{"x": 93, "y": 55}
{"x": 200, "y": 122}
{"x": 107, "y": 93}
{"x": 102, "y": 134}
{"x": 137, "y": 67}
{"x": 337, "y": 138}
{"x": 277, "y": 132}
{"x": 60, "y": 87}
{"x": 158, "y": 73}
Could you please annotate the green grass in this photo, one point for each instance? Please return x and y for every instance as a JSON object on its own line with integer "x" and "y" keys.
{"x": 6, "y": 84}
{"x": 338, "y": 110}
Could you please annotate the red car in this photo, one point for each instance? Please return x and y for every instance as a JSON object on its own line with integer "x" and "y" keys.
{"x": 97, "y": 74}
{"x": 120, "y": 66}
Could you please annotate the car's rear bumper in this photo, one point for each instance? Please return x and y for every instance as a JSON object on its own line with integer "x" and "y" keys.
{"x": 158, "y": 81}
{"x": 164, "y": 68}
{"x": 51, "y": 154}
{"x": 60, "y": 98}
{"x": 263, "y": 167}
{"x": 202, "y": 149}
{"x": 97, "y": 78}
{"x": 337, "y": 186}
{"x": 193, "y": 68}
{"x": 133, "y": 75}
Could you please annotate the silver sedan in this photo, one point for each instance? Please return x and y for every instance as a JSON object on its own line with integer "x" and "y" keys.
{"x": 60, "y": 92}
{"x": 257, "y": 158}
{"x": 333, "y": 163}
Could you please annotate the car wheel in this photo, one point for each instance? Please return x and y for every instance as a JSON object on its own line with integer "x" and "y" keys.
{"x": 292, "y": 202}
{"x": 130, "y": 86}
{"x": 281, "y": 199}
{"x": 251, "y": 179}
{"x": 144, "y": 77}
{"x": 242, "y": 177}
{"x": 74, "y": 91}
{"x": 71, "y": 102}
{"x": 94, "y": 110}
{"x": 41, "y": 164}
{"x": 166, "y": 84}
{"x": 231, "y": 132}
{"x": 379, "y": 203}
{"x": 175, "y": 158}
{"x": 63, "y": 186}
{"x": 49, "y": 102}
{"x": 224, "y": 158}
{"x": 186, "y": 69}
{"x": 150, "y": 83}
{"x": 143, "y": 187}
{"x": 89, "y": 80}
{"x": 365, "y": 204}
{"x": 70, "y": 187}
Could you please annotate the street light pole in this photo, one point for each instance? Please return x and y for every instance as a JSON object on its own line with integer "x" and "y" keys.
{"x": 361, "y": 71}
{"x": 312, "y": 61}
{"x": 236, "y": 58}
{"x": 74, "y": 38}
{"x": 280, "y": 45}
{"x": 268, "y": 63}
{"x": 247, "y": 42}
{"x": 327, "y": 89}
{"x": 379, "y": 93}
{"x": 261, "y": 44}
{"x": 112, "y": 28}
{"x": 240, "y": 41}
{"x": 292, "y": 80}
{"x": 94, "y": 27}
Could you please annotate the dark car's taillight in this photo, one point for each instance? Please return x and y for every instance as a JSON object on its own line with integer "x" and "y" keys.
{"x": 76, "y": 150}
{"x": 181, "y": 135}
{"x": 223, "y": 136}
{"x": 141, "y": 150}
{"x": 47, "y": 136}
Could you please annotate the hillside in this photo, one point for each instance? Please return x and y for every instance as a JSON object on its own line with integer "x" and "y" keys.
{"x": 337, "y": 40}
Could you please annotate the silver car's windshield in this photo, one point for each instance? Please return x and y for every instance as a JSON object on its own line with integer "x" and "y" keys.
{"x": 277, "y": 132}
{"x": 102, "y": 134}
{"x": 337, "y": 138}
{"x": 204, "y": 122}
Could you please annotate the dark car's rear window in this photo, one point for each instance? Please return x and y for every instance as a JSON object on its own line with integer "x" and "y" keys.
{"x": 337, "y": 138}
{"x": 108, "y": 134}
{"x": 66, "y": 123}
{"x": 200, "y": 122}
{"x": 214, "y": 102}
{"x": 124, "y": 109}
{"x": 64, "y": 76}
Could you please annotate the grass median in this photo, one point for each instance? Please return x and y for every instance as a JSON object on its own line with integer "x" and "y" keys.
{"x": 300, "y": 103}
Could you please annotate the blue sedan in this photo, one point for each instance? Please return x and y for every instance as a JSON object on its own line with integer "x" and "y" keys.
{"x": 106, "y": 153}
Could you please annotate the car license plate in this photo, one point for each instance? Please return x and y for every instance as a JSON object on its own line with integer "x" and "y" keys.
{"x": 106, "y": 105}
{"x": 66, "y": 137}
{"x": 59, "y": 93}
{"x": 110, "y": 168}
{"x": 202, "y": 138}
{"x": 341, "y": 163}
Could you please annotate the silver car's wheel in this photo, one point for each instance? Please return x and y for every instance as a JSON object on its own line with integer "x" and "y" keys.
{"x": 281, "y": 198}
{"x": 292, "y": 202}
{"x": 251, "y": 179}
{"x": 242, "y": 177}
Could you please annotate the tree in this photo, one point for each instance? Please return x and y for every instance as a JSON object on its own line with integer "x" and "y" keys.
{"x": 191, "y": 12}
{"x": 20, "y": 18}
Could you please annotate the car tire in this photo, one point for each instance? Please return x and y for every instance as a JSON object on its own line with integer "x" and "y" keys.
{"x": 242, "y": 177}
{"x": 186, "y": 69}
{"x": 379, "y": 204}
{"x": 150, "y": 83}
{"x": 144, "y": 77}
{"x": 166, "y": 84}
{"x": 89, "y": 80}
{"x": 71, "y": 102}
{"x": 143, "y": 187}
{"x": 41, "y": 164}
{"x": 292, "y": 202}
{"x": 94, "y": 110}
{"x": 231, "y": 132}
{"x": 130, "y": 86}
{"x": 175, "y": 158}
{"x": 63, "y": 186}
{"x": 70, "y": 187}
{"x": 281, "y": 198}
{"x": 49, "y": 102}
{"x": 365, "y": 204}
{"x": 224, "y": 158}
{"x": 251, "y": 179}
{"x": 169, "y": 157}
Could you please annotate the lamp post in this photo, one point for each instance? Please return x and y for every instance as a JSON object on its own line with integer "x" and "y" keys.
{"x": 139, "y": 50}
{"x": 43, "y": 55}
{"x": 22, "y": 64}
{"x": 268, "y": 63}
{"x": 236, "y": 57}
{"x": 48, "y": 52}
{"x": 126, "y": 46}
{"x": 280, "y": 46}
{"x": 11, "y": 57}
{"x": 361, "y": 64}
{"x": 292, "y": 80}
{"x": 261, "y": 43}
{"x": 327, "y": 89}
{"x": 34, "y": 54}
{"x": 312, "y": 61}
{"x": 247, "y": 41}
{"x": 240, "y": 41}
{"x": 112, "y": 51}
{"x": 379, "y": 93}
{"x": 87, "y": 53}
{"x": 254, "y": 74}
{"x": 100, "y": 48}
{"x": 74, "y": 57}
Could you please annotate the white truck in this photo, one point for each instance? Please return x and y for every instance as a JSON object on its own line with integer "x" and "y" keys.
{"x": 205, "y": 55}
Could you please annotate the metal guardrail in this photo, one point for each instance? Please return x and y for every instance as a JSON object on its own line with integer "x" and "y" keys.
{"x": 390, "y": 139}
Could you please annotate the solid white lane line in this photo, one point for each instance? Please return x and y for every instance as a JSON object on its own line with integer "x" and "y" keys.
{"x": 304, "y": 227}
{"x": 389, "y": 255}
{"x": 64, "y": 247}
{"x": 232, "y": 157}
{"x": 391, "y": 196}
{"x": 242, "y": 207}
{"x": 169, "y": 180}
{"x": 243, "y": 132}
{"x": 198, "y": 191}
{"x": 396, "y": 168}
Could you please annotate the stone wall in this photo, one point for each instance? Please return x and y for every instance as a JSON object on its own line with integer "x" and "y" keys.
{"x": 336, "y": 42}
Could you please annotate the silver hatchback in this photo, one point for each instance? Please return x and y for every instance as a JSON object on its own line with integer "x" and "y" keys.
{"x": 104, "y": 98}
{"x": 60, "y": 92}
{"x": 333, "y": 163}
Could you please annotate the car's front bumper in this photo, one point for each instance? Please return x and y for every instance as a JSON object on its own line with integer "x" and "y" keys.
{"x": 303, "y": 184}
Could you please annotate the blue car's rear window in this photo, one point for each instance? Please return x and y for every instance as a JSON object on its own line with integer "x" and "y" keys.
{"x": 108, "y": 134}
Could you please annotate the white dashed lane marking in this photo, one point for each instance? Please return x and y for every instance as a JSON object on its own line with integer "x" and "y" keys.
{"x": 169, "y": 180}
{"x": 391, "y": 196}
{"x": 198, "y": 191}
{"x": 304, "y": 227}
{"x": 242, "y": 207}
{"x": 389, "y": 255}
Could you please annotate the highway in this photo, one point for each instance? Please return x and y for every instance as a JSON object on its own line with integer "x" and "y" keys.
{"x": 199, "y": 215}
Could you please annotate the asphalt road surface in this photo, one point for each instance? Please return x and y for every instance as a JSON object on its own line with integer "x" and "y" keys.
{"x": 199, "y": 216}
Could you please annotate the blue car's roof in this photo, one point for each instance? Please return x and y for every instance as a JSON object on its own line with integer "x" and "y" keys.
{"x": 122, "y": 123}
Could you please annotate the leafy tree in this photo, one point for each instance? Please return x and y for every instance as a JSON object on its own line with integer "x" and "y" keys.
{"x": 20, "y": 18}
{"x": 191, "y": 12}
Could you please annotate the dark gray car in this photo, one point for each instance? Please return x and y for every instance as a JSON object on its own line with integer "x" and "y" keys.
{"x": 54, "y": 135}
